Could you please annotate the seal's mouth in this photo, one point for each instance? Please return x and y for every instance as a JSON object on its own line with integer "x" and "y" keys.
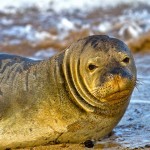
{"x": 118, "y": 96}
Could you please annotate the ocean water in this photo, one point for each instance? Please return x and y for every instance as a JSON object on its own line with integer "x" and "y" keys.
{"x": 35, "y": 21}
{"x": 69, "y": 5}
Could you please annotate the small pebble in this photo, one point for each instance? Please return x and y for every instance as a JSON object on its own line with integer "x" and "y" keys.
{"x": 147, "y": 146}
{"x": 89, "y": 144}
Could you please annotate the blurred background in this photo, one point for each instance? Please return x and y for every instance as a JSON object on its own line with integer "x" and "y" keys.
{"x": 40, "y": 28}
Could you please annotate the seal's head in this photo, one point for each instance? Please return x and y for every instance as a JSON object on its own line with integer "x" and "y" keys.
{"x": 101, "y": 73}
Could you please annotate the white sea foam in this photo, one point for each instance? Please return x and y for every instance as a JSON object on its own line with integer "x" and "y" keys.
{"x": 66, "y": 23}
{"x": 64, "y": 26}
{"x": 131, "y": 24}
{"x": 57, "y": 5}
{"x": 5, "y": 21}
{"x": 131, "y": 30}
{"x": 141, "y": 101}
{"x": 28, "y": 32}
{"x": 104, "y": 26}
{"x": 44, "y": 54}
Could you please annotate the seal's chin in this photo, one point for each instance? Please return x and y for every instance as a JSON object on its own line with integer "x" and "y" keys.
{"x": 119, "y": 96}
{"x": 116, "y": 97}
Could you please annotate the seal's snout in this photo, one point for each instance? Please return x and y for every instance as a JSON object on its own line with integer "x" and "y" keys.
{"x": 121, "y": 72}
{"x": 115, "y": 85}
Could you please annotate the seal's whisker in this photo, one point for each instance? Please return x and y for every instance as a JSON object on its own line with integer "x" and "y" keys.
{"x": 138, "y": 83}
{"x": 136, "y": 86}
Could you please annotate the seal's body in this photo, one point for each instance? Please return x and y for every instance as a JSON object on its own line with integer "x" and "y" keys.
{"x": 79, "y": 94}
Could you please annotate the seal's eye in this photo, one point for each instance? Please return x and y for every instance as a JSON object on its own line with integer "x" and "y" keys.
{"x": 126, "y": 60}
{"x": 92, "y": 67}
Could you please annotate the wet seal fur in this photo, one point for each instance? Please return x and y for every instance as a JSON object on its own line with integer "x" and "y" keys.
{"x": 77, "y": 95}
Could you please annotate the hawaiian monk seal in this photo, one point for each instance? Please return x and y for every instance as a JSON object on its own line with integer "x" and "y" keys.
{"x": 77, "y": 95}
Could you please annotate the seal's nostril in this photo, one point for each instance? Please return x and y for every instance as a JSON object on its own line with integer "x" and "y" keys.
{"x": 126, "y": 60}
{"x": 121, "y": 72}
